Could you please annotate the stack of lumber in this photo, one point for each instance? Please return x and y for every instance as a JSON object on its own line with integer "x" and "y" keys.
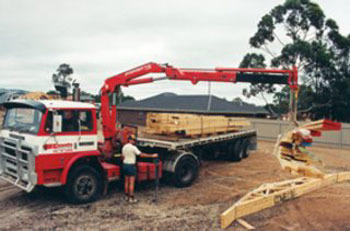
{"x": 271, "y": 194}
{"x": 191, "y": 124}
{"x": 296, "y": 159}
{"x": 322, "y": 125}
{"x": 37, "y": 95}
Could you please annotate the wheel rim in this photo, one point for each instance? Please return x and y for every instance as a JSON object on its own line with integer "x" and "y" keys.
{"x": 238, "y": 149}
{"x": 241, "y": 154}
{"x": 246, "y": 150}
{"x": 185, "y": 173}
{"x": 85, "y": 186}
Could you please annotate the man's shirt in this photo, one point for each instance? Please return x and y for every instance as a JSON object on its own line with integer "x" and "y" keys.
{"x": 130, "y": 152}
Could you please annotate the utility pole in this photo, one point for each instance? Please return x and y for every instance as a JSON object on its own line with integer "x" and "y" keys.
{"x": 209, "y": 97}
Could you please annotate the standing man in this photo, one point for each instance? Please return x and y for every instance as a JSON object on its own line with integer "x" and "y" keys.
{"x": 129, "y": 153}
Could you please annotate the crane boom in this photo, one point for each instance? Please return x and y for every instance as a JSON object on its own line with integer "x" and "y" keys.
{"x": 111, "y": 87}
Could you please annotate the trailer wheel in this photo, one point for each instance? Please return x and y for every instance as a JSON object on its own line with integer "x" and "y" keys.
{"x": 84, "y": 185}
{"x": 245, "y": 148}
{"x": 186, "y": 171}
{"x": 235, "y": 151}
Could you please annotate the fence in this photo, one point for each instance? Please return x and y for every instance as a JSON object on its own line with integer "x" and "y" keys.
{"x": 270, "y": 129}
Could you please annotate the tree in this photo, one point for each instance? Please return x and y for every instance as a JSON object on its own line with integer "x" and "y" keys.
{"x": 280, "y": 103}
{"x": 297, "y": 33}
{"x": 121, "y": 98}
{"x": 253, "y": 60}
{"x": 60, "y": 79}
{"x": 238, "y": 100}
{"x": 64, "y": 70}
{"x": 51, "y": 92}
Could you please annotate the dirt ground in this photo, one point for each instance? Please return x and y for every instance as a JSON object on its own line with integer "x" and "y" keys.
{"x": 198, "y": 207}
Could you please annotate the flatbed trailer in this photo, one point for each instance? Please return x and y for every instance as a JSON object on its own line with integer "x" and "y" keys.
{"x": 193, "y": 142}
{"x": 182, "y": 158}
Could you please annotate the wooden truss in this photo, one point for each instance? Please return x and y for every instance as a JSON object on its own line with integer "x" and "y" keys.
{"x": 297, "y": 161}
{"x": 271, "y": 194}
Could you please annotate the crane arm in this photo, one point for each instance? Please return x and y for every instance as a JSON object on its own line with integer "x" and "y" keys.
{"x": 111, "y": 87}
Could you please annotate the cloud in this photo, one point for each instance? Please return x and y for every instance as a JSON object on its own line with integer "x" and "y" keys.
{"x": 101, "y": 39}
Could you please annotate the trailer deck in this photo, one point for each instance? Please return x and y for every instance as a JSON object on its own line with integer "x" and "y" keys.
{"x": 191, "y": 142}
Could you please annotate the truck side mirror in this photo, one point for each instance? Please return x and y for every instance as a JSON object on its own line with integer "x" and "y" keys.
{"x": 57, "y": 124}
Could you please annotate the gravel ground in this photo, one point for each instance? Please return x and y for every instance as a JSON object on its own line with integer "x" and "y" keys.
{"x": 198, "y": 207}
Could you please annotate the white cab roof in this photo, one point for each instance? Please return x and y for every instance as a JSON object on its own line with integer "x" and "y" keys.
{"x": 66, "y": 104}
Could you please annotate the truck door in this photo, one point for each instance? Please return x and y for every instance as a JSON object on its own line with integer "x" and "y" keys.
{"x": 78, "y": 132}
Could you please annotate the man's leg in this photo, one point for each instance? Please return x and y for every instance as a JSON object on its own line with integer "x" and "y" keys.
{"x": 131, "y": 186}
{"x": 126, "y": 186}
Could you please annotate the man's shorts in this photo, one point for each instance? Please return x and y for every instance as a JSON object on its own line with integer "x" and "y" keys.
{"x": 129, "y": 169}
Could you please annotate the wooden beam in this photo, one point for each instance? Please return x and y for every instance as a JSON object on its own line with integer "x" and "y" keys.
{"x": 343, "y": 176}
{"x": 245, "y": 224}
{"x": 228, "y": 217}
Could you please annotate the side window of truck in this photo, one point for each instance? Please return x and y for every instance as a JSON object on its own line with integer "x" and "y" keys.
{"x": 72, "y": 120}
{"x": 85, "y": 118}
{"x": 48, "y": 122}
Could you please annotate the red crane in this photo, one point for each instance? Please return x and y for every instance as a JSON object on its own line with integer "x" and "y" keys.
{"x": 111, "y": 87}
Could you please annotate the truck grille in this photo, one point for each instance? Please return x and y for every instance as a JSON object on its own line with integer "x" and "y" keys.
{"x": 17, "y": 163}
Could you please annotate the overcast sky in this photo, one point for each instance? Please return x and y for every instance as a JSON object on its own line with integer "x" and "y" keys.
{"x": 102, "y": 38}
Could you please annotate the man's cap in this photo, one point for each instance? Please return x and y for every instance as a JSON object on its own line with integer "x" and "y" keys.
{"x": 132, "y": 137}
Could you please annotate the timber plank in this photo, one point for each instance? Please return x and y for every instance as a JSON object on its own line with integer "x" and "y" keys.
{"x": 343, "y": 176}
{"x": 192, "y": 125}
{"x": 245, "y": 224}
{"x": 228, "y": 217}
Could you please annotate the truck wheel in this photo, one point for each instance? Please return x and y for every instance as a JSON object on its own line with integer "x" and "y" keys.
{"x": 186, "y": 171}
{"x": 84, "y": 185}
{"x": 235, "y": 151}
{"x": 245, "y": 148}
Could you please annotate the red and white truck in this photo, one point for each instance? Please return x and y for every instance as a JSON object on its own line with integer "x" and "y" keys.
{"x": 55, "y": 142}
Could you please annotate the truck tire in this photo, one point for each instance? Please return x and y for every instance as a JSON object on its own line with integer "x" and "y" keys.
{"x": 212, "y": 152}
{"x": 245, "y": 148}
{"x": 83, "y": 185}
{"x": 186, "y": 171}
{"x": 235, "y": 151}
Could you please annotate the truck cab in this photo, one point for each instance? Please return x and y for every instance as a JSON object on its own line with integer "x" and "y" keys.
{"x": 41, "y": 141}
{"x": 55, "y": 143}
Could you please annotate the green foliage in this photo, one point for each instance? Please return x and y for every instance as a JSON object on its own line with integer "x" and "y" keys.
{"x": 281, "y": 99}
{"x": 60, "y": 78}
{"x": 313, "y": 43}
{"x": 51, "y": 92}
{"x": 64, "y": 70}
{"x": 253, "y": 60}
{"x": 121, "y": 98}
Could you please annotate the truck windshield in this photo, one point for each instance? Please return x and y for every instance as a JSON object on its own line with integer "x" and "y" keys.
{"x": 22, "y": 120}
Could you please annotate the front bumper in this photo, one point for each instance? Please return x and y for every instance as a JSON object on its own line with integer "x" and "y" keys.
{"x": 17, "y": 163}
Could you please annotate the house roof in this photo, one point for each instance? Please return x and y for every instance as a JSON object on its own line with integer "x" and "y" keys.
{"x": 9, "y": 94}
{"x": 191, "y": 103}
